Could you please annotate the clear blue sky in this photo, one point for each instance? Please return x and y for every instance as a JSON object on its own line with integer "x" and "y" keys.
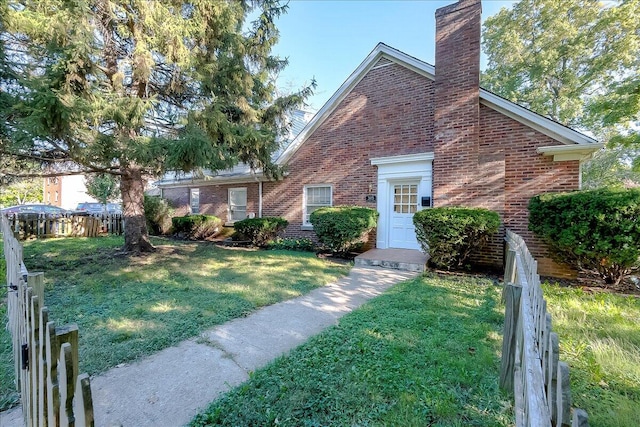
{"x": 328, "y": 39}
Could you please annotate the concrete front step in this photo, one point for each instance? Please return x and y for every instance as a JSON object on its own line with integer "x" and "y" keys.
{"x": 398, "y": 259}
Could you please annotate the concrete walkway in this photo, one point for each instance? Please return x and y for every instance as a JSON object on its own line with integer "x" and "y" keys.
{"x": 168, "y": 388}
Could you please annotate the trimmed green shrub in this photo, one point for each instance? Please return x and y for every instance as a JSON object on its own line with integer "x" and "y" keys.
{"x": 158, "y": 215}
{"x": 343, "y": 228}
{"x": 595, "y": 231}
{"x": 301, "y": 245}
{"x": 450, "y": 234}
{"x": 197, "y": 227}
{"x": 260, "y": 231}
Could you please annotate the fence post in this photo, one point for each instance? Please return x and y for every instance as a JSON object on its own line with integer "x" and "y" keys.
{"x": 580, "y": 418}
{"x": 35, "y": 281}
{"x": 43, "y": 373}
{"x": 563, "y": 395}
{"x": 83, "y": 403}
{"x": 511, "y": 294}
{"x": 510, "y": 270}
{"x": 552, "y": 380}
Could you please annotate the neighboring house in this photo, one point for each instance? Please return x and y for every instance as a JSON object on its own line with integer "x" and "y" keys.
{"x": 66, "y": 191}
{"x": 401, "y": 135}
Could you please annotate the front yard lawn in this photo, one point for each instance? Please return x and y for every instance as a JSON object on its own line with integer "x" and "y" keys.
{"x": 127, "y": 308}
{"x": 600, "y": 340}
{"x": 424, "y": 353}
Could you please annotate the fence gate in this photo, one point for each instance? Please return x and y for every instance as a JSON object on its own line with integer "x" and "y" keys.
{"x": 45, "y": 356}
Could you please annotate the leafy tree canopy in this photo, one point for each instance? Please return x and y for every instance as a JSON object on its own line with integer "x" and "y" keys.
{"x": 612, "y": 167}
{"x": 103, "y": 187}
{"x": 138, "y": 87}
{"x": 21, "y": 191}
{"x": 575, "y": 61}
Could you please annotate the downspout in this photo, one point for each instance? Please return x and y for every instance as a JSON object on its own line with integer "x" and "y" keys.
{"x": 259, "y": 199}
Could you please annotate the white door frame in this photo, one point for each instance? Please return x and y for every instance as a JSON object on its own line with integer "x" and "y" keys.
{"x": 417, "y": 167}
{"x": 391, "y": 203}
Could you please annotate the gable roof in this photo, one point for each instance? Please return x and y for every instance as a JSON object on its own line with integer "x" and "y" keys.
{"x": 383, "y": 55}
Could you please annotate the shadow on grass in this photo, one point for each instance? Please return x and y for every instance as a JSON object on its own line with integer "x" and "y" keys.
{"x": 425, "y": 353}
{"x": 129, "y": 307}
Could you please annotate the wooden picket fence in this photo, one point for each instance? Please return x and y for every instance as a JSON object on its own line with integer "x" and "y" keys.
{"x": 45, "y": 356}
{"x": 68, "y": 225}
{"x": 530, "y": 365}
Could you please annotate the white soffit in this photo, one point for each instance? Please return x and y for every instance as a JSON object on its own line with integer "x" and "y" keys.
{"x": 570, "y": 152}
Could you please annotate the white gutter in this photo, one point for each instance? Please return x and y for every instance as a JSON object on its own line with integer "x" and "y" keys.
{"x": 259, "y": 199}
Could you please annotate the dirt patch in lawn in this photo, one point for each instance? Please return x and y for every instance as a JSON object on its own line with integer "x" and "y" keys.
{"x": 592, "y": 283}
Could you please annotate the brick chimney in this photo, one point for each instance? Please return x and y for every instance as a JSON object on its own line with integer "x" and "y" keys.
{"x": 457, "y": 108}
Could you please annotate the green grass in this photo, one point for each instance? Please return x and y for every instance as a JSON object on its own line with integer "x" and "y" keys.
{"x": 127, "y": 308}
{"x": 424, "y": 353}
{"x": 600, "y": 340}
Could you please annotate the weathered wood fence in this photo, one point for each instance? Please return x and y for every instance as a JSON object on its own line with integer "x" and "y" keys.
{"x": 69, "y": 225}
{"x": 530, "y": 363}
{"x": 45, "y": 356}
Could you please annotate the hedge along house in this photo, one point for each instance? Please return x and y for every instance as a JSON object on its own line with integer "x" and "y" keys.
{"x": 401, "y": 135}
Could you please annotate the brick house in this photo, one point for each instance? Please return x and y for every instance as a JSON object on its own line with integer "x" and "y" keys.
{"x": 401, "y": 135}
{"x": 66, "y": 191}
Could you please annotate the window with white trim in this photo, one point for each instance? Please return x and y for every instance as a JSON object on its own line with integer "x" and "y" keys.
{"x": 194, "y": 200}
{"x": 405, "y": 198}
{"x": 237, "y": 204}
{"x": 316, "y": 197}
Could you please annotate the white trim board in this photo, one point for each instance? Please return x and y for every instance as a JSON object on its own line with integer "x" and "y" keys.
{"x": 394, "y": 169}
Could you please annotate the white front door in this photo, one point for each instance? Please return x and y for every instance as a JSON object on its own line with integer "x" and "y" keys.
{"x": 403, "y": 202}
{"x": 402, "y": 183}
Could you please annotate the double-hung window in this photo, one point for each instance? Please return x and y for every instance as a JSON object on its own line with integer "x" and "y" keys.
{"x": 316, "y": 197}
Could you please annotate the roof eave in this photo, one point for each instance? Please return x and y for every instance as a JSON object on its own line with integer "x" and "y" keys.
{"x": 216, "y": 180}
{"x": 535, "y": 121}
{"x": 563, "y": 153}
{"x": 527, "y": 117}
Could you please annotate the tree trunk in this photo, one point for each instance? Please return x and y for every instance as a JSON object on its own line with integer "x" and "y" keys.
{"x": 136, "y": 235}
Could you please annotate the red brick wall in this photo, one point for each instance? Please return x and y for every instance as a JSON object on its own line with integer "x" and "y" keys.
{"x": 511, "y": 172}
{"x": 178, "y": 198}
{"x": 388, "y": 113}
{"x": 52, "y": 186}
{"x": 457, "y": 122}
{"x": 483, "y": 158}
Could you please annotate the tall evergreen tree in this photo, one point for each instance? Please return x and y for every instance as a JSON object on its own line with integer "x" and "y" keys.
{"x": 575, "y": 61}
{"x": 135, "y": 88}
